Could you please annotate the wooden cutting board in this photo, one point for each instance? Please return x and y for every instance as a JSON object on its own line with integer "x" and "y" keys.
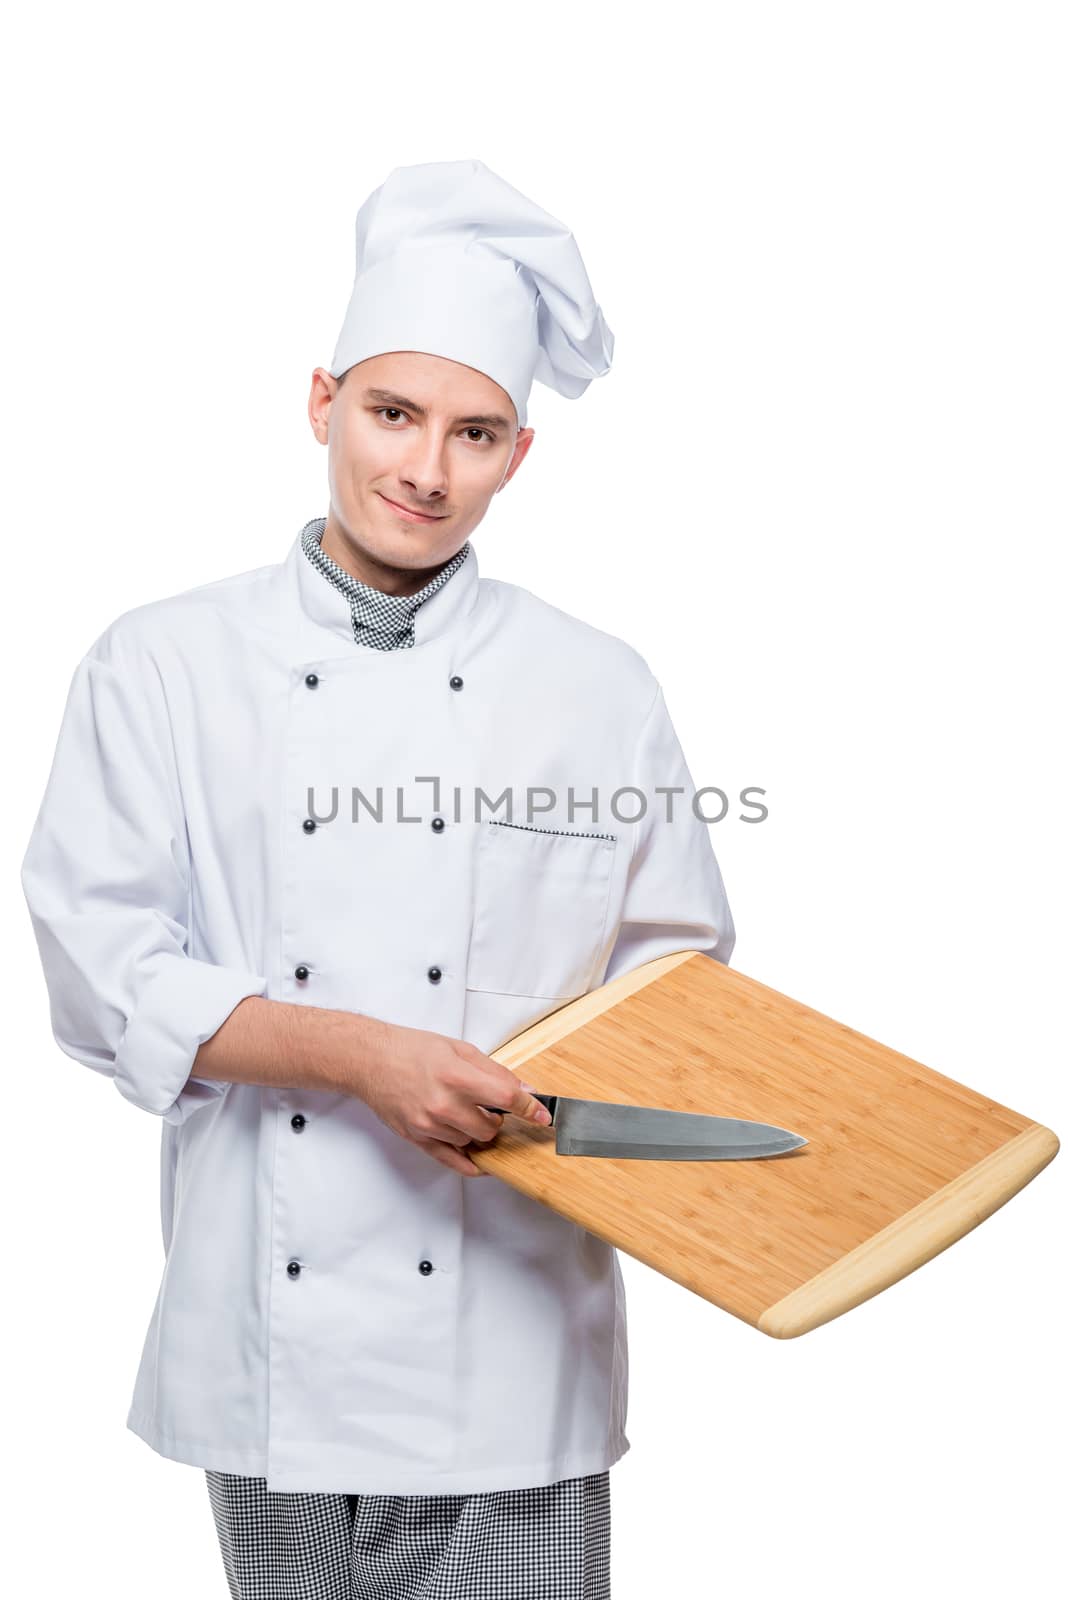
{"x": 900, "y": 1161}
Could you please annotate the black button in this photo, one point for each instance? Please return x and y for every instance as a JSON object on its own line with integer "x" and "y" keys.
{"x": 437, "y": 824}
{"x": 308, "y": 824}
{"x": 311, "y": 679}
{"x": 434, "y": 974}
{"x": 300, "y": 972}
{"x": 425, "y": 1267}
{"x": 293, "y": 1268}
{"x": 456, "y": 682}
{"x": 297, "y": 1121}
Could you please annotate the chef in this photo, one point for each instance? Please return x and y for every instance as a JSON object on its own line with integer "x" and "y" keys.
{"x": 317, "y": 838}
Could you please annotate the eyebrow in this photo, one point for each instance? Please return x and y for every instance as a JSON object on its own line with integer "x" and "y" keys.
{"x": 386, "y": 397}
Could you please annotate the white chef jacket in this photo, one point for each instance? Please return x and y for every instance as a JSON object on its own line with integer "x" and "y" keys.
{"x": 338, "y": 1312}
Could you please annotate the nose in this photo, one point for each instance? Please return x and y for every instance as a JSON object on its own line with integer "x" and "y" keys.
{"x": 423, "y": 473}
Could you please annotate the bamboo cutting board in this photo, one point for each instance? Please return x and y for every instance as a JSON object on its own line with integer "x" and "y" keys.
{"x": 900, "y": 1162}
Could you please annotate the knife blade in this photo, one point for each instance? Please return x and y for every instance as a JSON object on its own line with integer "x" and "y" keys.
{"x": 651, "y": 1133}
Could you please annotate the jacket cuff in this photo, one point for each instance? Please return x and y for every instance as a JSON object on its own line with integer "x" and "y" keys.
{"x": 182, "y": 1003}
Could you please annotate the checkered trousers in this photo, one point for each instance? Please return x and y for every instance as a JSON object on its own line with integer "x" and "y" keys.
{"x": 545, "y": 1543}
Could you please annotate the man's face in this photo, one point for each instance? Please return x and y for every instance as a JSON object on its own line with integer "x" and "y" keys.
{"x": 417, "y": 447}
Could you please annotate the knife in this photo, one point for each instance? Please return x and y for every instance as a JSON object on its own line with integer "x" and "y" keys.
{"x": 647, "y": 1133}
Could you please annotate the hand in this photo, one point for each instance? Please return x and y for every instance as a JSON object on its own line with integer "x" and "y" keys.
{"x": 432, "y": 1090}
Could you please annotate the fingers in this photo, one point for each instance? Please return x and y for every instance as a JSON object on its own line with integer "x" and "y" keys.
{"x": 449, "y": 1156}
{"x": 471, "y": 1124}
{"x": 511, "y": 1095}
{"x": 491, "y": 1085}
{"x": 532, "y": 1109}
{"x": 466, "y": 1123}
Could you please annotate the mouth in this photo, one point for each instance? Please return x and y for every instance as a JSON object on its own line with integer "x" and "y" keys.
{"x": 406, "y": 511}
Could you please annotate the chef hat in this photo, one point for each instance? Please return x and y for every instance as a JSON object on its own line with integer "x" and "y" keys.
{"x": 453, "y": 261}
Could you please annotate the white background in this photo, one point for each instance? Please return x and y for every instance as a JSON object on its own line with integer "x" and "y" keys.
{"x": 822, "y": 490}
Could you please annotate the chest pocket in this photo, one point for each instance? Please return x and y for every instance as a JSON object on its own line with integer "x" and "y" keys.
{"x": 540, "y": 905}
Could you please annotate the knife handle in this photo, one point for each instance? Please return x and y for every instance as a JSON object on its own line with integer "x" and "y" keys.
{"x": 547, "y": 1100}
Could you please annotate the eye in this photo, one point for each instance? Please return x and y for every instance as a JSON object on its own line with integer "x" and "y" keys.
{"x": 487, "y": 437}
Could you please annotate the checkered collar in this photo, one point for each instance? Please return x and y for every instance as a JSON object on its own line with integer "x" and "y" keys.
{"x": 382, "y": 621}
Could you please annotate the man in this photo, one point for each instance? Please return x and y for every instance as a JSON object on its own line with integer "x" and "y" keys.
{"x": 277, "y": 903}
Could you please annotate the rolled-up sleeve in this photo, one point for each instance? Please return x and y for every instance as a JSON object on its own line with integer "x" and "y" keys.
{"x": 107, "y": 879}
{"x": 674, "y": 897}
